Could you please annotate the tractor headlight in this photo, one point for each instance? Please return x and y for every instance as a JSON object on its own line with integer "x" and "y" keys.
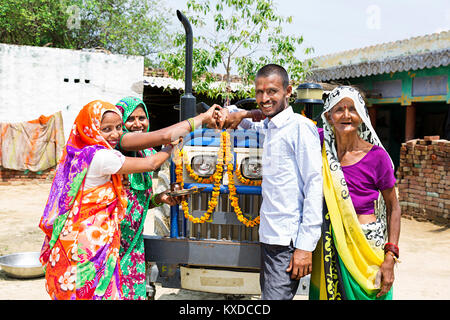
{"x": 251, "y": 168}
{"x": 203, "y": 165}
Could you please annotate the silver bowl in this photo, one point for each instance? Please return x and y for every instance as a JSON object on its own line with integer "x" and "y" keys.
{"x": 22, "y": 265}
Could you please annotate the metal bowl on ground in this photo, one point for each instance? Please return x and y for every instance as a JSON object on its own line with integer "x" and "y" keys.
{"x": 22, "y": 265}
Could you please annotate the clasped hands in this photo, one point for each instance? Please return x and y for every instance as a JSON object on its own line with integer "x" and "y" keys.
{"x": 221, "y": 118}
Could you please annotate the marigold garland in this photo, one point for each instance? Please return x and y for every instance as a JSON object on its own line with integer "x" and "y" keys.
{"x": 246, "y": 181}
{"x": 196, "y": 177}
{"x": 216, "y": 177}
{"x": 232, "y": 188}
{"x": 192, "y": 173}
{"x": 224, "y": 157}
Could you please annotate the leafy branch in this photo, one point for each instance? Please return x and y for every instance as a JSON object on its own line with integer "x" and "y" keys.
{"x": 239, "y": 35}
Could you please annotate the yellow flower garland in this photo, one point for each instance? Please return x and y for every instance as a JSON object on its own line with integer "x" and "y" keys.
{"x": 232, "y": 188}
{"x": 246, "y": 181}
{"x": 216, "y": 177}
{"x": 199, "y": 179}
{"x": 224, "y": 156}
{"x": 193, "y": 175}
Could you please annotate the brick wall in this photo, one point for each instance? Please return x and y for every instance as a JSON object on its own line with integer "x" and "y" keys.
{"x": 424, "y": 179}
{"x": 8, "y": 176}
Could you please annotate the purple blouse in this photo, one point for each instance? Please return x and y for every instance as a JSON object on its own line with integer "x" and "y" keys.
{"x": 365, "y": 178}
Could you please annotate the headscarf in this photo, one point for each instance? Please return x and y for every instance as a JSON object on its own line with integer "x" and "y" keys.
{"x": 365, "y": 131}
{"x": 345, "y": 264}
{"x": 127, "y": 105}
{"x": 84, "y": 140}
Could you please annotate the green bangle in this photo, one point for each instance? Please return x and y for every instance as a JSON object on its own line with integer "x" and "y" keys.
{"x": 120, "y": 142}
{"x": 154, "y": 202}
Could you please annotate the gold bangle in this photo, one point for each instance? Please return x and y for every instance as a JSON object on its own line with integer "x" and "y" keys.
{"x": 191, "y": 123}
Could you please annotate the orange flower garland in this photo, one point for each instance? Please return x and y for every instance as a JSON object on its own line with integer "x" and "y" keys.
{"x": 193, "y": 175}
{"x": 246, "y": 181}
{"x": 216, "y": 177}
{"x": 224, "y": 157}
{"x": 232, "y": 188}
{"x": 199, "y": 179}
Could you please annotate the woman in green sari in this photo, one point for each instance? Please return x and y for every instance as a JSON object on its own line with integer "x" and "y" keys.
{"x": 140, "y": 195}
{"x": 355, "y": 256}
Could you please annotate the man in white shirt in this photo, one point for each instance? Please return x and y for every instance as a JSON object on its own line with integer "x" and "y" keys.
{"x": 291, "y": 211}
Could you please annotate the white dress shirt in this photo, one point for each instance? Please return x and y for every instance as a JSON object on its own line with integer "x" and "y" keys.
{"x": 291, "y": 180}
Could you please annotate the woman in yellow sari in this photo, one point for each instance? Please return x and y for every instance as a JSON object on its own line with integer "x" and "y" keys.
{"x": 356, "y": 255}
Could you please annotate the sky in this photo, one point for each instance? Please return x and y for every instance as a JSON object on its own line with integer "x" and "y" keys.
{"x": 331, "y": 26}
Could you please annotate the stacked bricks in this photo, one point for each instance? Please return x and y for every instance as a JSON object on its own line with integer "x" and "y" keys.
{"x": 423, "y": 179}
{"x": 8, "y": 176}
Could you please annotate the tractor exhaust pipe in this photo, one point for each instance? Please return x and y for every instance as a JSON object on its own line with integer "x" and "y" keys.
{"x": 187, "y": 101}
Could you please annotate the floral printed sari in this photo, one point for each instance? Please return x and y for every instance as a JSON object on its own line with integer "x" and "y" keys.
{"x": 80, "y": 253}
{"x": 132, "y": 251}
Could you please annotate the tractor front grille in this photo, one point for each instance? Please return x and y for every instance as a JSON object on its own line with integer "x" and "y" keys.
{"x": 224, "y": 224}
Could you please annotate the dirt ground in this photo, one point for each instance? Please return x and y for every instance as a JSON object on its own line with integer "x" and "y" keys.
{"x": 423, "y": 274}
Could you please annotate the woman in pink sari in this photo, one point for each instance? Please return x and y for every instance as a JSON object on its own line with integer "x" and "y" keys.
{"x": 86, "y": 203}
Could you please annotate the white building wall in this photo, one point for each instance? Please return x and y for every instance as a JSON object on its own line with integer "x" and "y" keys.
{"x": 38, "y": 81}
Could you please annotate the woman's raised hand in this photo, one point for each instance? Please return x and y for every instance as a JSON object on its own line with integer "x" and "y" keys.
{"x": 210, "y": 117}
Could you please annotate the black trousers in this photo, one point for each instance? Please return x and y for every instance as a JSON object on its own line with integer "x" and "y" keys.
{"x": 275, "y": 282}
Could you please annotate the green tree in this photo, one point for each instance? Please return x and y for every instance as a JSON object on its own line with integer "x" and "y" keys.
{"x": 34, "y": 22}
{"x": 241, "y": 36}
{"x": 134, "y": 27}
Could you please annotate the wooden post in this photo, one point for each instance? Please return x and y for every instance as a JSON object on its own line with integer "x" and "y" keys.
{"x": 410, "y": 122}
{"x": 373, "y": 116}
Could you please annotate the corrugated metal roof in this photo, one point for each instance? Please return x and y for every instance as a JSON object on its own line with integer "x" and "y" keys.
{"x": 404, "y": 55}
{"x": 397, "y": 64}
{"x": 160, "y": 82}
{"x": 165, "y": 82}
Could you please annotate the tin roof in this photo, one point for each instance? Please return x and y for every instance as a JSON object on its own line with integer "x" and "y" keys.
{"x": 170, "y": 83}
{"x": 161, "y": 82}
{"x": 160, "y": 78}
{"x": 411, "y": 54}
